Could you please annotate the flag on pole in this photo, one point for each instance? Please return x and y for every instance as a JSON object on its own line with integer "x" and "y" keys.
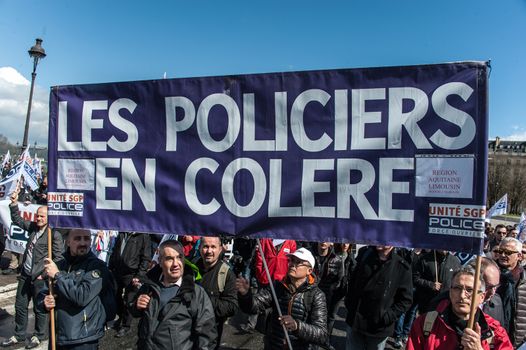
{"x": 9, "y": 184}
{"x": 30, "y": 175}
{"x": 499, "y": 208}
{"x": 26, "y": 156}
{"x": 7, "y": 158}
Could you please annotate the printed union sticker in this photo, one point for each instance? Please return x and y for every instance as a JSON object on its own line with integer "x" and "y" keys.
{"x": 65, "y": 204}
{"x": 444, "y": 177}
{"x": 457, "y": 220}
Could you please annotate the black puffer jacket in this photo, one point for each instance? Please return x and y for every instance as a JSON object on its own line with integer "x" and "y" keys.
{"x": 312, "y": 321}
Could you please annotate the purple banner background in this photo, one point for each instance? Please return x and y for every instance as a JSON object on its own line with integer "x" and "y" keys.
{"x": 172, "y": 213}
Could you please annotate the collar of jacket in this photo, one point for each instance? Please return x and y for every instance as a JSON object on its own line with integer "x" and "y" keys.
{"x": 186, "y": 290}
{"x": 309, "y": 283}
{"x": 72, "y": 260}
{"x": 445, "y": 311}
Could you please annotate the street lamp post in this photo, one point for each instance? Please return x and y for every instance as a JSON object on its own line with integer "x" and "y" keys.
{"x": 36, "y": 52}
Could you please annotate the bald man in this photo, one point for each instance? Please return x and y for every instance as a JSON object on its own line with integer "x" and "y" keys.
{"x": 30, "y": 281}
{"x": 81, "y": 280}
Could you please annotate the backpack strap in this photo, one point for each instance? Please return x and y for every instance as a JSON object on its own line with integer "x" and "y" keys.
{"x": 491, "y": 342}
{"x": 221, "y": 276}
{"x": 429, "y": 320}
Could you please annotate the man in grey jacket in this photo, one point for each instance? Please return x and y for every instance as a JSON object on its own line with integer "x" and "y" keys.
{"x": 30, "y": 281}
{"x": 175, "y": 312}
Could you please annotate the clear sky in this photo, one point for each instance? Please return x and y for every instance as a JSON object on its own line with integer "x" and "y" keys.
{"x": 102, "y": 41}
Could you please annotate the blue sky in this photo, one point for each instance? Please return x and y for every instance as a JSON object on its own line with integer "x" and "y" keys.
{"x": 103, "y": 41}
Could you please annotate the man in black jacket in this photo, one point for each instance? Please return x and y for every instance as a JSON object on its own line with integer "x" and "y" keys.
{"x": 329, "y": 270}
{"x": 432, "y": 274}
{"x": 30, "y": 281}
{"x": 80, "y": 281}
{"x": 302, "y": 304}
{"x": 380, "y": 290}
{"x": 129, "y": 263}
{"x": 218, "y": 280}
{"x": 175, "y": 312}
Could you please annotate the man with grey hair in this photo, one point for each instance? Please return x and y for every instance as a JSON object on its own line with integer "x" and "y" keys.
{"x": 30, "y": 281}
{"x": 512, "y": 289}
{"x": 492, "y": 305}
{"x": 175, "y": 311}
{"x": 446, "y": 328}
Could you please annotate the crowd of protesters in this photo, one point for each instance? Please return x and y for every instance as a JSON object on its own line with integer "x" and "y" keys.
{"x": 184, "y": 289}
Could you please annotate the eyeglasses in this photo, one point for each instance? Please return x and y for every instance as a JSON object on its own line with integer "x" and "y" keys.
{"x": 468, "y": 290}
{"x": 298, "y": 263}
{"x": 502, "y": 232}
{"x": 507, "y": 252}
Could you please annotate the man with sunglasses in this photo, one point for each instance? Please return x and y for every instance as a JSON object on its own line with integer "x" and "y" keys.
{"x": 512, "y": 289}
{"x": 499, "y": 233}
{"x": 446, "y": 328}
{"x": 302, "y": 303}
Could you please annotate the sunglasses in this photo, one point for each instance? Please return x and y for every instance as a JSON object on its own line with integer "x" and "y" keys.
{"x": 505, "y": 252}
{"x": 298, "y": 263}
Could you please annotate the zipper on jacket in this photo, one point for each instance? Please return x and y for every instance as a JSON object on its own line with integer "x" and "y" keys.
{"x": 291, "y": 302}
{"x": 85, "y": 323}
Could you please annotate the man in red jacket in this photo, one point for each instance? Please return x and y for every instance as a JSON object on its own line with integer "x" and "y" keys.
{"x": 446, "y": 328}
{"x": 275, "y": 251}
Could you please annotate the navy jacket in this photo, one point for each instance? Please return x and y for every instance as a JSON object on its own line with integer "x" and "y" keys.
{"x": 79, "y": 310}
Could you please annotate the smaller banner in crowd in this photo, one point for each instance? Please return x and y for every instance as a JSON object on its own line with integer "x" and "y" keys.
{"x": 499, "y": 208}
{"x": 16, "y": 238}
{"x": 9, "y": 184}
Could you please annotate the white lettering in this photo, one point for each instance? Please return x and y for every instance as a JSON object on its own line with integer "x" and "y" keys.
{"x": 360, "y": 118}
{"x": 233, "y": 124}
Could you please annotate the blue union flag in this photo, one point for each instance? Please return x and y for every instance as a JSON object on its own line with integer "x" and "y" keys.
{"x": 499, "y": 208}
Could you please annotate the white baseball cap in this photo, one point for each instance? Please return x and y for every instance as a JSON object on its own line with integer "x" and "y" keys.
{"x": 305, "y": 255}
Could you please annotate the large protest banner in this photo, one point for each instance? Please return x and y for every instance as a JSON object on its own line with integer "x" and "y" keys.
{"x": 394, "y": 155}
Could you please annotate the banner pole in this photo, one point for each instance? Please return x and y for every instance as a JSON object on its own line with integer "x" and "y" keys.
{"x": 52, "y": 311}
{"x": 273, "y": 292}
{"x": 474, "y": 295}
{"x": 436, "y": 266}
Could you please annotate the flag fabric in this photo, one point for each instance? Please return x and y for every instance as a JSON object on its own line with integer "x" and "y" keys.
{"x": 26, "y": 156}
{"x": 9, "y": 184}
{"x": 7, "y": 158}
{"x": 30, "y": 175}
{"x": 499, "y": 208}
{"x": 37, "y": 166}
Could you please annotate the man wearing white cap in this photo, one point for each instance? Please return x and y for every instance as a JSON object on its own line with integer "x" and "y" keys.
{"x": 305, "y": 318}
